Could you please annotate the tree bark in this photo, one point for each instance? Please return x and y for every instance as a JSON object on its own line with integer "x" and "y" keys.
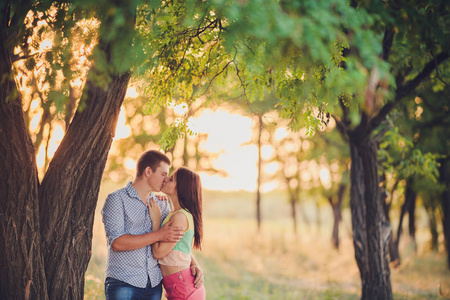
{"x": 369, "y": 235}
{"x": 69, "y": 190}
{"x": 21, "y": 265}
{"x": 68, "y": 193}
{"x": 46, "y": 230}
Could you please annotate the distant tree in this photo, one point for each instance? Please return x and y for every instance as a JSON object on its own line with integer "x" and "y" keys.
{"x": 401, "y": 161}
{"x": 288, "y": 155}
{"x": 331, "y": 150}
{"x": 433, "y": 135}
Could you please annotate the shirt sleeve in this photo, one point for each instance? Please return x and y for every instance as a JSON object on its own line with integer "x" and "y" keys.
{"x": 113, "y": 217}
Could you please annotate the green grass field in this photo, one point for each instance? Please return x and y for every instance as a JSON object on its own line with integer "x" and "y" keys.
{"x": 240, "y": 263}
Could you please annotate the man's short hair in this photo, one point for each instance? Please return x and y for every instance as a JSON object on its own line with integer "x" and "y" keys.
{"x": 152, "y": 159}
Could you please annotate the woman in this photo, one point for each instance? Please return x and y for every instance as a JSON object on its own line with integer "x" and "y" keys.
{"x": 175, "y": 259}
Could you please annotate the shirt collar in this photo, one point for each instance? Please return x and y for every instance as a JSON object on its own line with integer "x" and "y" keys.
{"x": 134, "y": 194}
{"x": 132, "y": 191}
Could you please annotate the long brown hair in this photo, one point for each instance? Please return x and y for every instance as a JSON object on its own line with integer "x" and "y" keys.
{"x": 189, "y": 190}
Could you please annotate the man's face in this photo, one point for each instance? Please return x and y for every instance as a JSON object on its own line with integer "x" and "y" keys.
{"x": 157, "y": 179}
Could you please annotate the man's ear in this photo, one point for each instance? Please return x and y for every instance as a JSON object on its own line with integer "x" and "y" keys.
{"x": 148, "y": 171}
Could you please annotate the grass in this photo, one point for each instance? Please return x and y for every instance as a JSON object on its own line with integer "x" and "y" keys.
{"x": 240, "y": 263}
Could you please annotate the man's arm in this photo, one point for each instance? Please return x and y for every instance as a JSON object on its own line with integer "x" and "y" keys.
{"x": 129, "y": 242}
{"x": 113, "y": 219}
{"x": 162, "y": 249}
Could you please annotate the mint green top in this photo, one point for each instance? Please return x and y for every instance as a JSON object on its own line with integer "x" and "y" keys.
{"x": 185, "y": 244}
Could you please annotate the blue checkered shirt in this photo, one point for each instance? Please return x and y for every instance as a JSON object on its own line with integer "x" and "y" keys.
{"x": 125, "y": 213}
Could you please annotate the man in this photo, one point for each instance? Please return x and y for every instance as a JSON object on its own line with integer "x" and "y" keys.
{"x": 131, "y": 271}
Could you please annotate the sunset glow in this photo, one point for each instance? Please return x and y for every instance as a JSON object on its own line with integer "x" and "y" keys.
{"x": 123, "y": 130}
{"x": 229, "y": 135}
{"x": 227, "y": 132}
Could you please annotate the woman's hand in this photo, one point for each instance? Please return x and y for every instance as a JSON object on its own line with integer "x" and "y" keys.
{"x": 198, "y": 273}
{"x": 162, "y": 197}
{"x": 155, "y": 213}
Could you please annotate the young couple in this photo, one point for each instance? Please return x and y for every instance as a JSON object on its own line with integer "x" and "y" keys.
{"x": 143, "y": 256}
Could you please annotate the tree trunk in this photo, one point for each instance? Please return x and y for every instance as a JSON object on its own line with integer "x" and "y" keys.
{"x": 258, "y": 184}
{"x": 21, "y": 265}
{"x": 68, "y": 193}
{"x": 46, "y": 230}
{"x": 293, "y": 200}
{"x": 444, "y": 178}
{"x": 369, "y": 236}
{"x": 407, "y": 207}
{"x": 411, "y": 207}
{"x": 69, "y": 190}
{"x": 337, "y": 215}
{"x": 335, "y": 232}
{"x": 433, "y": 229}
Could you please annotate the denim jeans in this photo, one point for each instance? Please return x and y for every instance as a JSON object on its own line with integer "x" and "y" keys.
{"x": 119, "y": 290}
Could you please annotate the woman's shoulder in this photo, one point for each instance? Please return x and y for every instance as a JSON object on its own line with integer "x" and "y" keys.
{"x": 183, "y": 216}
{"x": 179, "y": 216}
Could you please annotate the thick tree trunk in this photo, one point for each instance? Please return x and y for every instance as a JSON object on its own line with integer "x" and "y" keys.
{"x": 369, "y": 234}
{"x": 46, "y": 230}
{"x": 69, "y": 190}
{"x": 21, "y": 265}
{"x": 68, "y": 193}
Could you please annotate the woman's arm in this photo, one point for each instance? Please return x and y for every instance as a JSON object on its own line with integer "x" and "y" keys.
{"x": 161, "y": 249}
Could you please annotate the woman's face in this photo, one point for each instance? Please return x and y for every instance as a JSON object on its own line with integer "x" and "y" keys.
{"x": 170, "y": 187}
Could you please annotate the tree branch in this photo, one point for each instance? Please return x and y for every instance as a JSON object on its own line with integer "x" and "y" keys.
{"x": 388, "y": 39}
{"x": 341, "y": 127}
{"x": 405, "y": 89}
{"x": 409, "y": 86}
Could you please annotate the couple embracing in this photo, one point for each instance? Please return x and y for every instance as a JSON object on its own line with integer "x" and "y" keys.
{"x": 150, "y": 243}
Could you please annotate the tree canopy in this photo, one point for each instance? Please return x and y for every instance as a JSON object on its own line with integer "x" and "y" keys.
{"x": 354, "y": 61}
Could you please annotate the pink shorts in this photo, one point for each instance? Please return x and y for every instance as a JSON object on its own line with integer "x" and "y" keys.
{"x": 180, "y": 285}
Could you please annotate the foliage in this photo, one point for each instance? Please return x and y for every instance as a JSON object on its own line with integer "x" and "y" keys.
{"x": 294, "y": 49}
{"x": 398, "y": 155}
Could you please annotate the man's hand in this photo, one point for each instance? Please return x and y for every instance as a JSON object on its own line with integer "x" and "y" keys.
{"x": 171, "y": 234}
{"x": 197, "y": 272}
